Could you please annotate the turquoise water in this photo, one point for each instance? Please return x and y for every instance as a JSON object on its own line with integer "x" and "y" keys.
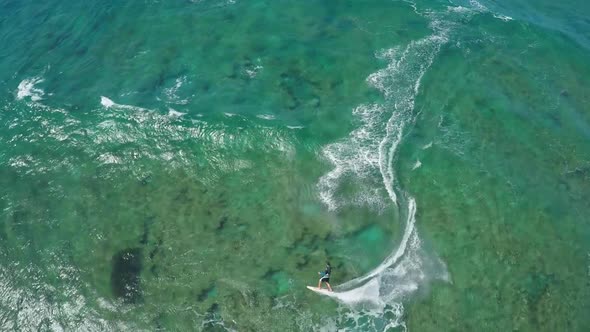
{"x": 191, "y": 165}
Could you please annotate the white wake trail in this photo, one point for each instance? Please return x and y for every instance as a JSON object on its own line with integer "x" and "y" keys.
{"x": 370, "y": 149}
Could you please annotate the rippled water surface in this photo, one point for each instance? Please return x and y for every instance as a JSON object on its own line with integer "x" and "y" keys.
{"x": 191, "y": 165}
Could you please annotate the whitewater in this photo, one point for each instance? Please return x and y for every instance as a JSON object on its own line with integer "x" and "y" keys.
{"x": 370, "y": 150}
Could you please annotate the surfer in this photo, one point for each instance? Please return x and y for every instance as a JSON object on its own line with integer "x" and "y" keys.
{"x": 325, "y": 277}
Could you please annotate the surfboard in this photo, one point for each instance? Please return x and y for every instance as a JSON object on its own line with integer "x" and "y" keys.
{"x": 317, "y": 290}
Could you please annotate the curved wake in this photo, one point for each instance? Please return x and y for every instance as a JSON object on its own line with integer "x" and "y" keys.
{"x": 372, "y": 148}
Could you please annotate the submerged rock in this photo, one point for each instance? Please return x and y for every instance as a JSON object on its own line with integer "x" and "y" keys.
{"x": 125, "y": 275}
{"x": 221, "y": 225}
{"x": 207, "y": 293}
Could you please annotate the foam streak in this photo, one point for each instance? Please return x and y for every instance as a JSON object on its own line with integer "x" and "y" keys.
{"x": 358, "y": 157}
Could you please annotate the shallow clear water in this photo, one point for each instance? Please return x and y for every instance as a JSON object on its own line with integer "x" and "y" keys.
{"x": 191, "y": 165}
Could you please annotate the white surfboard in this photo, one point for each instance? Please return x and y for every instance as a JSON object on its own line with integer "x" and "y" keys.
{"x": 319, "y": 291}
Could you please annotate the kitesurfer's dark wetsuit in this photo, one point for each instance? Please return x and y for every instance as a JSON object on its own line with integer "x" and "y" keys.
{"x": 326, "y": 274}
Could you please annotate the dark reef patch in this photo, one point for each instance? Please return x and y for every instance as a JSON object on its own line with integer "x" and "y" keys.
{"x": 536, "y": 286}
{"x": 146, "y": 180}
{"x": 302, "y": 262}
{"x": 183, "y": 196}
{"x": 207, "y": 293}
{"x": 126, "y": 273}
{"x": 146, "y": 229}
{"x": 156, "y": 248}
{"x": 270, "y": 274}
{"x": 221, "y": 224}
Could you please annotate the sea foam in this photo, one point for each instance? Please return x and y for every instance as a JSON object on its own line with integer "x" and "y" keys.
{"x": 371, "y": 149}
{"x": 27, "y": 88}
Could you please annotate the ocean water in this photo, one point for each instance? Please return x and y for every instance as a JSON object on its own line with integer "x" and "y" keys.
{"x": 190, "y": 165}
